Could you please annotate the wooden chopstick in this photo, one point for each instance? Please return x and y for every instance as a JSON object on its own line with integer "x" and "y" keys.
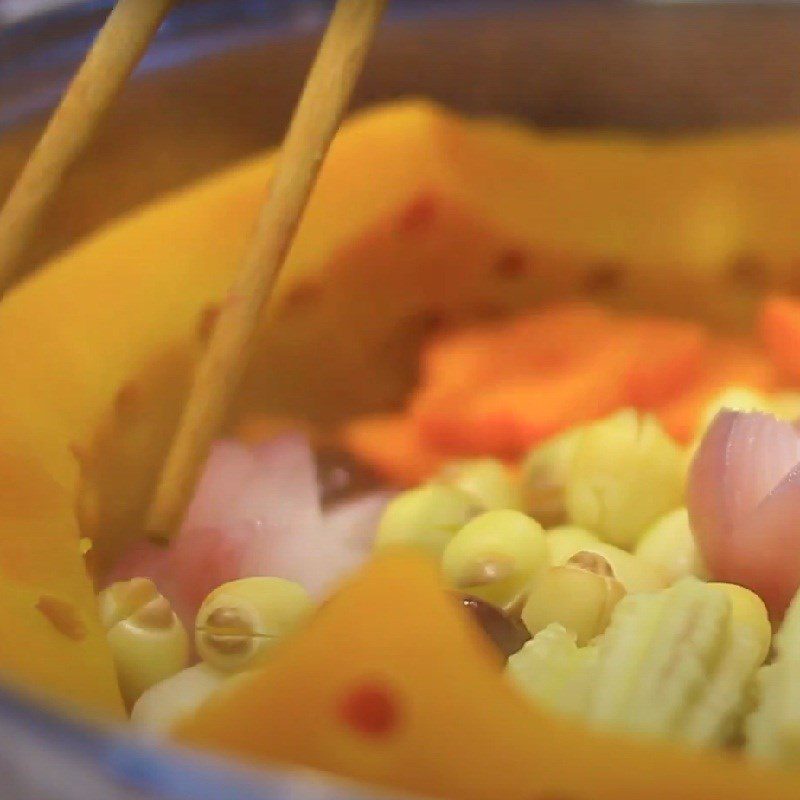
{"x": 319, "y": 111}
{"x": 115, "y": 53}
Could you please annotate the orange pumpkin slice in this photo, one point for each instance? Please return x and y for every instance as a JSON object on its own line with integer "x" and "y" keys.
{"x": 391, "y": 685}
{"x": 465, "y": 219}
{"x": 54, "y": 642}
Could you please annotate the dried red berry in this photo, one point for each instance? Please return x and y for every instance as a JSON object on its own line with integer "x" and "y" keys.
{"x": 371, "y": 709}
{"x": 418, "y": 214}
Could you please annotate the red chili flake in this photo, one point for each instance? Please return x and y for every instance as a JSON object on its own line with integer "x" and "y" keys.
{"x": 603, "y": 277}
{"x": 426, "y": 322}
{"x": 126, "y": 400}
{"x": 748, "y": 270}
{"x": 370, "y": 709}
{"x": 81, "y": 453}
{"x": 511, "y": 264}
{"x": 409, "y": 334}
{"x": 303, "y": 294}
{"x": 550, "y": 797}
{"x": 63, "y": 616}
{"x": 419, "y": 213}
{"x": 486, "y": 311}
{"x": 208, "y": 320}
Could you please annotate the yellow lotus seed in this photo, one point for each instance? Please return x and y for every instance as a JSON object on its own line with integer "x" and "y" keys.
{"x": 241, "y": 621}
{"x": 495, "y": 556}
{"x": 625, "y": 474}
{"x": 580, "y": 595}
{"x": 425, "y": 518}
{"x": 635, "y": 574}
{"x": 486, "y": 480}
{"x": 566, "y": 540}
{"x": 670, "y": 547}
{"x": 148, "y": 642}
{"x": 544, "y": 475}
{"x": 166, "y": 703}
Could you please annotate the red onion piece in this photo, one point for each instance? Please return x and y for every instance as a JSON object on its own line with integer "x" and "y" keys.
{"x": 147, "y": 560}
{"x": 773, "y": 570}
{"x": 709, "y": 515}
{"x": 257, "y": 511}
{"x": 344, "y": 543}
{"x": 143, "y": 559}
{"x": 743, "y": 498}
{"x": 357, "y": 520}
{"x": 229, "y": 466}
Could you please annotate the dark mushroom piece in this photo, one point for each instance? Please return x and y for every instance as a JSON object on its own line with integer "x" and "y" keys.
{"x": 341, "y": 476}
{"x": 506, "y": 633}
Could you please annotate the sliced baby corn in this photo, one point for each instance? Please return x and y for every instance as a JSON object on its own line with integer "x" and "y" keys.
{"x": 773, "y": 729}
{"x": 715, "y": 716}
{"x": 655, "y": 657}
{"x": 677, "y": 663}
{"x": 762, "y": 739}
{"x": 553, "y": 671}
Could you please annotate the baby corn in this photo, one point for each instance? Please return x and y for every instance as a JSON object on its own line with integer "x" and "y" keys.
{"x": 773, "y": 730}
{"x": 579, "y": 595}
{"x": 675, "y": 663}
{"x": 553, "y": 671}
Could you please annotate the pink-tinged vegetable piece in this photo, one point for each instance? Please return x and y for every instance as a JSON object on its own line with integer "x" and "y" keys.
{"x": 343, "y": 544}
{"x": 743, "y": 498}
{"x": 143, "y": 559}
{"x": 257, "y": 511}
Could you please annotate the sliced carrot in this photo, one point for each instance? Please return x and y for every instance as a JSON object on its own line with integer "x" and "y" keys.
{"x": 779, "y": 328}
{"x": 392, "y": 445}
{"x": 500, "y": 388}
{"x": 668, "y": 356}
{"x": 510, "y": 415}
{"x": 731, "y": 363}
{"x": 534, "y": 342}
{"x": 551, "y": 340}
{"x": 518, "y": 414}
{"x": 437, "y": 414}
{"x": 458, "y": 359}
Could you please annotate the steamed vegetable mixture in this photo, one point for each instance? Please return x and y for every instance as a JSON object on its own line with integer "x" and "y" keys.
{"x": 513, "y": 480}
{"x": 613, "y": 509}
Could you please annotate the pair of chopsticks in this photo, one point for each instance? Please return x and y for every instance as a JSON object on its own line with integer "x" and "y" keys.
{"x": 128, "y": 31}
